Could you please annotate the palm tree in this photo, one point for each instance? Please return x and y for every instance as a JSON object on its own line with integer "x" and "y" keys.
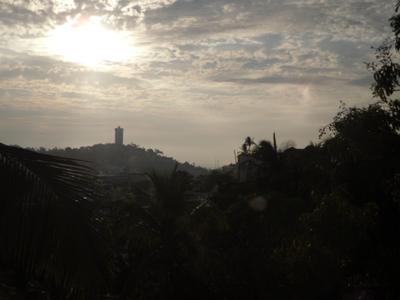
{"x": 248, "y": 142}
{"x": 47, "y": 234}
{"x": 162, "y": 222}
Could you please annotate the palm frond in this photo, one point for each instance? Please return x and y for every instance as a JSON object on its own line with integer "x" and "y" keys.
{"x": 46, "y": 228}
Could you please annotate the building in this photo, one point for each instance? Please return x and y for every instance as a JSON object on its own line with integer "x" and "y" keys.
{"x": 119, "y": 136}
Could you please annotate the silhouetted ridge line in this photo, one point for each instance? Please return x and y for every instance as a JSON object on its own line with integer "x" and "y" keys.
{"x": 113, "y": 159}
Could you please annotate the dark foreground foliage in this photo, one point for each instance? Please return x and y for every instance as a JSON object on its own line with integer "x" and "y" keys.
{"x": 48, "y": 237}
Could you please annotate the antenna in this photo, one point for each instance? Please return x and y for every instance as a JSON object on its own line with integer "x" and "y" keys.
{"x": 275, "y": 147}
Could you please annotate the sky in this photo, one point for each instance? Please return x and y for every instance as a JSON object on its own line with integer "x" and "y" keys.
{"x": 192, "y": 78}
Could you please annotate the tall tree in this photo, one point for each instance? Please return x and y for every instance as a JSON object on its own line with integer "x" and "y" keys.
{"x": 248, "y": 143}
{"x": 386, "y": 67}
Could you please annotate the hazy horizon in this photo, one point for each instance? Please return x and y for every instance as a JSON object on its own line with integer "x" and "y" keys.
{"x": 191, "y": 78}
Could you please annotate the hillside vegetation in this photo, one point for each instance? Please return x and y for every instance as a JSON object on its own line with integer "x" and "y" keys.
{"x": 111, "y": 159}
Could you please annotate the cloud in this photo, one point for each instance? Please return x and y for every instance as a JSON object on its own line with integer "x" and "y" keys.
{"x": 30, "y": 67}
{"x": 215, "y": 68}
{"x": 365, "y": 81}
{"x": 282, "y": 80}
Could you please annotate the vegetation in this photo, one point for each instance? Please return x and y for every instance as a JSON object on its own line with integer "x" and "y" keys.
{"x": 316, "y": 223}
{"x": 48, "y": 235}
{"x": 111, "y": 159}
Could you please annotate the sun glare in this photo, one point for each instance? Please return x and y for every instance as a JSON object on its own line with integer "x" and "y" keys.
{"x": 86, "y": 41}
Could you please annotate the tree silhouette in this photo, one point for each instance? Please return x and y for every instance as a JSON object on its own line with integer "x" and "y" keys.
{"x": 386, "y": 69}
{"x": 162, "y": 224}
{"x": 248, "y": 142}
{"x": 265, "y": 151}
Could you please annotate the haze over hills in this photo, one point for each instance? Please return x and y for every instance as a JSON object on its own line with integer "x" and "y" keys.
{"x": 113, "y": 159}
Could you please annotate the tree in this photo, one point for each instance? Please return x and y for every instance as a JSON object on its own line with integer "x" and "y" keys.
{"x": 363, "y": 146}
{"x": 265, "y": 152}
{"x": 248, "y": 142}
{"x": 386, "y": 68}
{"x": 161, "y": 244}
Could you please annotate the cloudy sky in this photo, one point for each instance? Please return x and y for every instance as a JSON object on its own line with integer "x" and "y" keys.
{"x": 190, "y": 77}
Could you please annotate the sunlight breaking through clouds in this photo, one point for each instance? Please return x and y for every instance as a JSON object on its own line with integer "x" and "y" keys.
{"x": 86, "y": 41}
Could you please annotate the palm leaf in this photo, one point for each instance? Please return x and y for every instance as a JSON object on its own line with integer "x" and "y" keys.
{"x": 46, "y": 228}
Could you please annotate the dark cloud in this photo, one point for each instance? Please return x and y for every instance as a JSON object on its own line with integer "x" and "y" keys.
{"x": 365, "y": 81}
{"x": 13, "y": 94}
{"x": 348, "y": 52}
{"x": 317, "y": 80}
{"x": 262, "y": 64}
{"x": 74, "y": 95}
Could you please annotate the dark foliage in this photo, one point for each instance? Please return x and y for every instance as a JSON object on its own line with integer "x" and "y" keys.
{"x": 48, "y": 239}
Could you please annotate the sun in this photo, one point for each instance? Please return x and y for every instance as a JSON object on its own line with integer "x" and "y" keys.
{"x": 85, "y": 40}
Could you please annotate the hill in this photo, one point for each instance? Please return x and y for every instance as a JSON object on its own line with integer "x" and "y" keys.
{"x": 112, "y": 159}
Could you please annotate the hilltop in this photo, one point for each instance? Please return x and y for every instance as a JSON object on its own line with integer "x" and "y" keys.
{"x": 112, "y": 159}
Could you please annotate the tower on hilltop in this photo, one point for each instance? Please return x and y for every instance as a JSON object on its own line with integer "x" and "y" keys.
{"x": 119, "y": 136}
